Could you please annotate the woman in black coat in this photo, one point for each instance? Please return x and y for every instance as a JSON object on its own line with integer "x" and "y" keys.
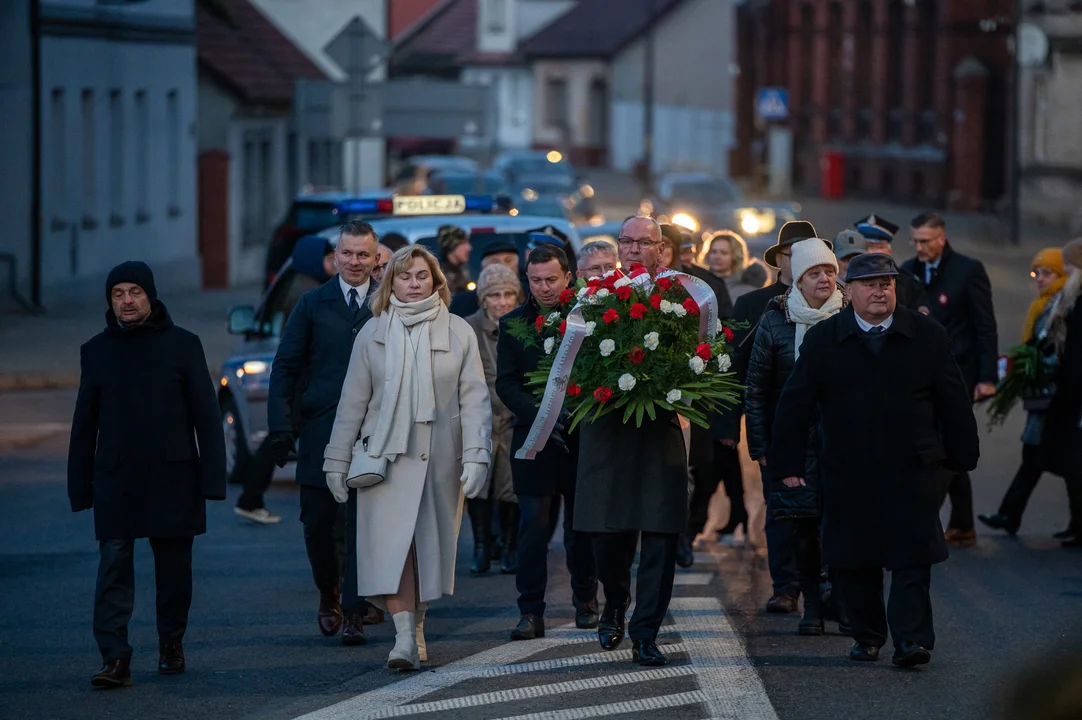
{"x": 815, "y": 296}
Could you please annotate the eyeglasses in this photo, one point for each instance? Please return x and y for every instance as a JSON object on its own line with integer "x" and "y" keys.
{"x": 596, "y": 270}
{"x": 643, "y": 243}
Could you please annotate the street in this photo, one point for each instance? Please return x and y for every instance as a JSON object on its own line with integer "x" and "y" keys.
{"x": 254, "y": 651}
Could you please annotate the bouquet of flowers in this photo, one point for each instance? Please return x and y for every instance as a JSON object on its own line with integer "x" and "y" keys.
{"x": 642, "y": 350}
{"x": 1027, "y": 377}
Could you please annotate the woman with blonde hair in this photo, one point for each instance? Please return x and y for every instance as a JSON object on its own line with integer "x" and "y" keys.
{"x": 416, "y": 403}
{"x": 727, "y": 257}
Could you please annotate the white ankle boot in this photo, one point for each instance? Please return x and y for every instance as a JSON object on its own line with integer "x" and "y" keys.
{"x": 404, "y": 656}
{"x": 422, "y": 649}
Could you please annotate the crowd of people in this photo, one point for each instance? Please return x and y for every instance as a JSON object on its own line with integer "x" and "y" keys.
{"x": 403, "y": 397}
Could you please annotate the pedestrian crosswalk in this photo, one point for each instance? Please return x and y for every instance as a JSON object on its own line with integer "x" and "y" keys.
{"x": 566, "y": 675}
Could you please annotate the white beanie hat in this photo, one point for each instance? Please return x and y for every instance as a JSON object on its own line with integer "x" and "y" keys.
{"x": 809, "y": 253}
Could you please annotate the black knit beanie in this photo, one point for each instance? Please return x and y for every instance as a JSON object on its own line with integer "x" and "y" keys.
{"x": 132, "y": 271}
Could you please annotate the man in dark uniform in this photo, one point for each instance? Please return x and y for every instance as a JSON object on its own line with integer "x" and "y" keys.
{"x": 146, "y": 452}
{"x": 961, "y": 300}
{"x": 877, "y": 372}
{"x": 305, "y": 385}
{"x": 540, "y": 483}
{"x": 878, "y": 235}
{"x": 749, "y": 309}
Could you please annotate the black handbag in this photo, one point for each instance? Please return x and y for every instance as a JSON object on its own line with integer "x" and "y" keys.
{"x": 798, "y": 503}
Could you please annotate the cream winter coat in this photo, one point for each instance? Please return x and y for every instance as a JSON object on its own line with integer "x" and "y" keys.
{"x": 421, "y": 499}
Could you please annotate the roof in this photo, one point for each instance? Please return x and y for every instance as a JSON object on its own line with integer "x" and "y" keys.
{"x": 595, "y": 28}
{"x": 444, "y": 37}
{"x": 249, "y": 55}
{"x": 404, "y": 14}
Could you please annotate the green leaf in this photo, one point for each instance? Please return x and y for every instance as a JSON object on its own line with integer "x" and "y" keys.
{"x": 639, "y": 408}
{"x": 628, "y": 412}
{"x": 650, "y": 410}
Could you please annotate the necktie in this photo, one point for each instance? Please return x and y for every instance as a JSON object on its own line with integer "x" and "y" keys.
{"x": 932, "y": 273}
{"x": 354, "y": 306}
{"x": 877, "y": 329}
{"x": 875, "y": 338}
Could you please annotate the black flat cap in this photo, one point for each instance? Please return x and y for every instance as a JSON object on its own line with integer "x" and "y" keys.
{"x": 870, "y": 265}
{"x": 499, "y": 246}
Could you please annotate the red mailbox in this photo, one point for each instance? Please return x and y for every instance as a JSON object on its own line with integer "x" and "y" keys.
{"x": 832, "y": 166}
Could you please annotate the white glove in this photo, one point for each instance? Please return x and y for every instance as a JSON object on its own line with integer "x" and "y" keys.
{"x": 473, "y": 478}
{"x": 336, "y": 483}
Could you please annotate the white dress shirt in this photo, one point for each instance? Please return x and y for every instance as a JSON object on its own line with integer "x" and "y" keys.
{"x": 867, "y": 327}
{"x": 362, "y": 290}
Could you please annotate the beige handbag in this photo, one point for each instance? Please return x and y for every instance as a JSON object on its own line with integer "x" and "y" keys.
{"x": 365, "y": 471}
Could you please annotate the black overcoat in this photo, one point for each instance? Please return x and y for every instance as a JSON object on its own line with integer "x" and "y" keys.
{"x": 1061, "y": 441}
{"x": 309, "y": 368}
{"x": 911, "y": 292}
{"x": 552, "y": 471}
{"x": 960, "y": 298}
{"x": 147, "y": 447}
{"x": 894, "y": 426}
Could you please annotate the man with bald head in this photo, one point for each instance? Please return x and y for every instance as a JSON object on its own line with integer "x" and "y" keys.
{"x": 631, "y": 482}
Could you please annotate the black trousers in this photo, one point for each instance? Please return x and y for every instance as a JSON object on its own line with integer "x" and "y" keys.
{"x": 780, "y": 548}
{"x": 908, "y": 612}
{"x": 257, "y": 474}
{"x": 534, "y": 532}
{"x": 727, "y": 470}
{"x": 330, "y": 536}
{"x": 960, "y": 492}
{"x": 615, "y": 553}
{"x": 114, "y": 596}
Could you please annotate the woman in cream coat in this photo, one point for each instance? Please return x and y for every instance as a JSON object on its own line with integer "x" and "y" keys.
{"x": 416, "y": 391}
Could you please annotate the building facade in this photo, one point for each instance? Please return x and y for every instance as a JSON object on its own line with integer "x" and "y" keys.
{"x": 911, "y": 95}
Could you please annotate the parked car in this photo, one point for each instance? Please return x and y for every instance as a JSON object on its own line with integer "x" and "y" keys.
{"x": 463, "y": 182}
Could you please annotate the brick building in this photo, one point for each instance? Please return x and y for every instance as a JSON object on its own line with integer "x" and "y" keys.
{"x": 913, "y": 94}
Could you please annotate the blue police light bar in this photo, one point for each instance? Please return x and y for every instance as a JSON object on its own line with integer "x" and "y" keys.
{"x": 425, "y": 205}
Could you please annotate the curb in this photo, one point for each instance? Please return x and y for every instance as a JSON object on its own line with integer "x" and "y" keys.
{"x": 16, "y": 382}
{"x": 17, "y": 437}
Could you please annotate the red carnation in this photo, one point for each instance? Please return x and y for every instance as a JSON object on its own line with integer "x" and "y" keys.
{"x": 574, "y": 390}
{"x": 664, "y": 283}
{"x": 602, "y": 394}
{"x": 563, "y": 327}
{"x": 636, "y": 355}
{"x": 727, "y": 333}
{"x": 610, "y": 316}
{"x": 637, "y": 270}
{"x": 567, "y": 296}
{"x": 609, "y": 283}
{"x": 637, "y": 311}
{"x": 655, "y": 301}
{"x": 691, "y": 306}
{"x": 593, "y": 282}
{"x": 539, "y": 323}
{"x": 624, "y": 293}
{"x": 703, "y": 351}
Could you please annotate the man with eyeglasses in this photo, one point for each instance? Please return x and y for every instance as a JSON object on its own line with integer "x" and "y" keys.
{"x": 383, "y": 256}
{"x": 960, "y": 296}
{"x": 597, "y": 258}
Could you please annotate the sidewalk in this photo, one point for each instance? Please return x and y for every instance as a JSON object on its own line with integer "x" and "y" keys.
{"x": 42, "y": 352}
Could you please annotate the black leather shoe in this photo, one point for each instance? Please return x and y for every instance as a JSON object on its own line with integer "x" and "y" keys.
{"x": 909, "y": 654}
{"x": 646, "y": 652}
{"x": 530, "y": 627}
{"x": 998, "y": 521}
{"x": 863, "y": 653}
{"x": 611, "y": 626}
{"x": 171, "y": 659}
{"x": 113, "y": 674}
{"x": 353, "y": 630}
{"x": 1067, "y": 534}
{"x": 586, "y": 617}
{"x": 685, "y": 555}
{"x": 781, "y": 604}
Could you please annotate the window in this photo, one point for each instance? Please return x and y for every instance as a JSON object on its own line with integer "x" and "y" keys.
{"x": 142, "y": 157}
{"x": 836, "y": 48}
{"x": 58, "y": 156}
{"x": 556, "y": 102}
{"x": 172, "y": 119}
{"x": 497, "y": 16}
{"x": 257, "y": 162}
{"x": 116, "y": 158}
{"x": 88, "y": 160}
{"x": 896, "y": 65}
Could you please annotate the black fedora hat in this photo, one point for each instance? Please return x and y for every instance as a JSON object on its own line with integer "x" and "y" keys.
{"x": 791, "y": 232}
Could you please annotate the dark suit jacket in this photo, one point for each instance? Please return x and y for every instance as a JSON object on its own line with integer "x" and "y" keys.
{"x": 893, "y": 426}
{"x": 961, "y": 300}
{"x": 310, "y": 366}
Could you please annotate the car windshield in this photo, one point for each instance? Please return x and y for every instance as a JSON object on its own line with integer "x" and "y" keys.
{"x": 547, "y": 183}
{"x": 544, "y": 206}
{"x": 539, "y": 166}
{"x": 705, "y": 192}
{"x": 464, "y": 185}
{"x": 314, "y": 216}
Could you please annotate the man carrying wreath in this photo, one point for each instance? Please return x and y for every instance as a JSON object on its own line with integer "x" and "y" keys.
{"x": 633, "y": 481}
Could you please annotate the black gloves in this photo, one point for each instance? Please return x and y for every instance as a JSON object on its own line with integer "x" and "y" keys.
{"x": 281, "y": 445}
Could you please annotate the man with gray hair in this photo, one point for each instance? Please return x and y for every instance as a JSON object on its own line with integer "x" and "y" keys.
{"x": 597, "y": 258}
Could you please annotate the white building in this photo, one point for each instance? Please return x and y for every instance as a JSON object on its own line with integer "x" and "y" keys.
{"x": 117, "y": 143}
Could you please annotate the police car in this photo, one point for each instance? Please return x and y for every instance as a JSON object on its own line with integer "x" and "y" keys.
{"x": 244, "y": 380}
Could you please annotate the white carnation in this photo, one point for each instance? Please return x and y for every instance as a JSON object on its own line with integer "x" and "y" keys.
{"x": 673, "y": 397}
{"x": 623, "y": 282}
{"x": 696, "y": 364}
{"x": 583, "y": 290}
{"x": 666, "y": 306}
{"x": 720, "y": 328}
{"x": 679, "y": 310}
{"x": 602, "y": 293}
{"x": 626, "y": 382}
{"x": 724, "y": 363}
{"x": 549, "y": 344}
{"x": 607, "y": 347}
{"x": 590, "y": 328}
{"x": 553, "y": 317}
{"x": 650, "y": 341}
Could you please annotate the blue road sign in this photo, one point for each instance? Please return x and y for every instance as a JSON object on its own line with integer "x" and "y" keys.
{"x": 772, "y": 103}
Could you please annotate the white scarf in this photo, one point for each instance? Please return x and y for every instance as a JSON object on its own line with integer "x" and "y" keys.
{"x": 408, "y": 394}
{"x": 804, "y": 315}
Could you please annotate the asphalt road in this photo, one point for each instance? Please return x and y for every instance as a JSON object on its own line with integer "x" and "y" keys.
{"x": 254, "y": 651}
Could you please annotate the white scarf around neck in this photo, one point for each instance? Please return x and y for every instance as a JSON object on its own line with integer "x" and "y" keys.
{"x": 804, "y": 315}
{"x": 408, "y": 393}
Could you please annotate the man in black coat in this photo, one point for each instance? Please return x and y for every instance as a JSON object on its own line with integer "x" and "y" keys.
{"x": 305, "y": 385}
{"x": 961, "y": 300}
{"x": 541, "y": 482}
{"x": 146, "y": 452}
{"x": 878, "y": 234}
{"x": 749, "y": 310}
{"x": 895, "y": 420}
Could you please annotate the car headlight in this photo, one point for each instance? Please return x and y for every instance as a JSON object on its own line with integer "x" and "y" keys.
{"x": 750, "y": 224}
{"x": 529, "y": 194}
{"x": 255, "y": 367}
{"x": 685, "y": 221}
